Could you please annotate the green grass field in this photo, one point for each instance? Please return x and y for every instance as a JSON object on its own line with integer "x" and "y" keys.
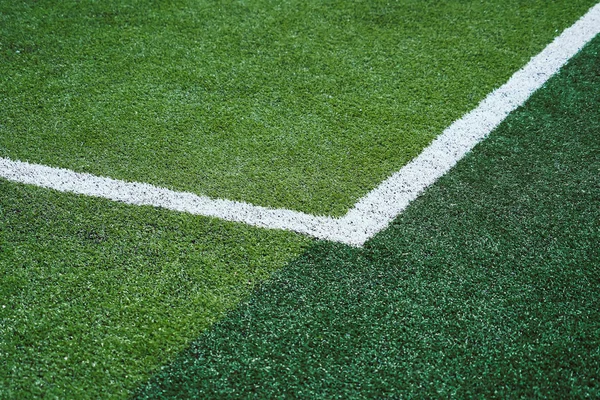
{"x": 488, "y": 285}
{"x": 95, "y": 295}
{"x": 277, "y": 103}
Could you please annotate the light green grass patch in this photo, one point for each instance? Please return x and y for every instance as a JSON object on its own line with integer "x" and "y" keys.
{"x": 95, "y": 295}
{"x": 302, "y": 105}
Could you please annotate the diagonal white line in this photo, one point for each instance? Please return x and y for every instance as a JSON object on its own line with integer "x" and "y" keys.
{"x": 378, "y": 208}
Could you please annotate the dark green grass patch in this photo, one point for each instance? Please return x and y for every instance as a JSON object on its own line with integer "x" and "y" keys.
{"x": 487, "y": 286}
{"x": 95, "y": 295}
{"x": 296, "y": 104}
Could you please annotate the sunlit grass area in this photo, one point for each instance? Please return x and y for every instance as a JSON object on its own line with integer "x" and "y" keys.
{"x": 296, "y": 104}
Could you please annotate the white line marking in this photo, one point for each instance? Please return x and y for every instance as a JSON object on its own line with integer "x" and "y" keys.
{"x": 378, "y": 208}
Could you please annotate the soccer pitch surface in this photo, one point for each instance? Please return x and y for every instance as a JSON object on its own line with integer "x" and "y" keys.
{"x": 303, "y": 106}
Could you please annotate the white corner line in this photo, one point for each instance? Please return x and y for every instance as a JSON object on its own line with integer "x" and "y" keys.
{"x": 378, "y": 208}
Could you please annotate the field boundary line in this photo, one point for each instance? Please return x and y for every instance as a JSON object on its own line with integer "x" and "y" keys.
{"x": 373, "y": 212}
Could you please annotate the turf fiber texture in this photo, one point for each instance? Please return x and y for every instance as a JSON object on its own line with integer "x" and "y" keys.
{"x": 487, "y": 286}
{"x": 277, "y": 103}
{"x": 96, "y": 295}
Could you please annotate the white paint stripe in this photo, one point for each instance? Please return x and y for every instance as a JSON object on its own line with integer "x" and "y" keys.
{"x": 139, "y": 194}
{"x": 377, "y": 209}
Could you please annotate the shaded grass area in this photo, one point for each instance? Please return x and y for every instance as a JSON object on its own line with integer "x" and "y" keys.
{"x": 278, "y": 103}
{"x": 96, "y": 295}
{"x": 488, "y": 285}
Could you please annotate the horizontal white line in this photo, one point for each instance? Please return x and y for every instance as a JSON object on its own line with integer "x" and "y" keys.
{"x": 378, "y": 208}
{"x": 140, "y": 194}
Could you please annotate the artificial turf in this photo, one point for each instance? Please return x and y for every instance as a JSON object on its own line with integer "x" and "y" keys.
{"x": 296, "y": 104}
{"x": 487, "y": 286}
{"x": 96, "y": 295}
